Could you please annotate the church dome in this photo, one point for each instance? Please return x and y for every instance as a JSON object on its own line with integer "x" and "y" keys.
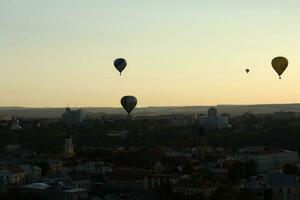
{"x": 212, "y": 112}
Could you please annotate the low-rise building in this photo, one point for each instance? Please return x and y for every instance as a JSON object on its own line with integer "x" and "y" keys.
{"x": 33, "y": 174}
{"x": 75, "y": 194}
{"x": 56, "y": 192}
{"x": 194, "y": 187}
{"x": 12, "y": 175}
{"x": 267, "y": 159}
{"x": 284, "y": 187}
{"x": 137, "y": 180}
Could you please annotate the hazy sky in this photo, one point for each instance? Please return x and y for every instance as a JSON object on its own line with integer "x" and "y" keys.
{"x": 179, "y": 52}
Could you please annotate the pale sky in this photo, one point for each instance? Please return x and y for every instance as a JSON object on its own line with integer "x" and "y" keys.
{"x": 179, "y": 52}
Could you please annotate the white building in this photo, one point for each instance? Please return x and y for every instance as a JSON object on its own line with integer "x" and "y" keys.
{"x": 12, "y": 175}
{"x": 72, "y": 117}
{"x": 267, "y": 159}
{"x": 212, "y": 121}
{"x": 69, "y": 149}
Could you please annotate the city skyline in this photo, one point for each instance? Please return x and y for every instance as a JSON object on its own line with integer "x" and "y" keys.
{"x": 58, "y": 54}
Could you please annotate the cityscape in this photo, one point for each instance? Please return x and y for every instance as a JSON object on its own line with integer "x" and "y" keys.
{"x": 149, "y": 100}
{"x": 172, "y": 156}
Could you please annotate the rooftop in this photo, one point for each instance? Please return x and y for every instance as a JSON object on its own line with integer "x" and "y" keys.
{"x": 75, "y": 190}
{"x": 256, "y": 150}
{"x": 37, "y": 186}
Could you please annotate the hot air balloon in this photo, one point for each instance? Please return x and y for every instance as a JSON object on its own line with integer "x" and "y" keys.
{"x": 279, "y": 64}
{"x": 247, "y": 70}
{"x": 120, "y": 64}
{"x": 128, "y": 103}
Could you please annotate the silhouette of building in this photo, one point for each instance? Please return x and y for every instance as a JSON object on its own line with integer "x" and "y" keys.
{"x": 71, "y": 117}
{"x": 15, "y": 125}
{"x": 212, "y": 121}
{"x": 69, "y": 148}
{"x": 283, "y": 187}
{"x": 266, "y": 158}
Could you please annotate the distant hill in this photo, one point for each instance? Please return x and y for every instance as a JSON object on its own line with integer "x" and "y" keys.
{"x": 231, "y": 109}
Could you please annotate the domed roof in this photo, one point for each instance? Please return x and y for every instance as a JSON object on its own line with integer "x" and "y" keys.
{"x": 212, "y": 112}
{"x": 212, "y": 109}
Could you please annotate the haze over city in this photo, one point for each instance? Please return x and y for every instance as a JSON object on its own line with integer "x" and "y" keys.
{"x": 61, "y": 53}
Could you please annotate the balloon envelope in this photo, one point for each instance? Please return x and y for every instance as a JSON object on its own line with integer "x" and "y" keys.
{"x": 280, "y": 64}
{"x": 247, "y": 70}
{"x": 128, "y": 103}
{"x": 120, "y": 64}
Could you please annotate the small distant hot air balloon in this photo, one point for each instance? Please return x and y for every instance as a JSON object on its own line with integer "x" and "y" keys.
{"x": 247, "y": 70}
{"x": 120, "y": 64}
{"x": 128, "y": 103}
{"x": 280, "y": 64}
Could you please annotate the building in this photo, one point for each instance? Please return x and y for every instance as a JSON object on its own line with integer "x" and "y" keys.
{"x": 212, "y": 121}
{"x": 12, "y": 148}
{"x": 54, "y": 164}
{"x": 12, "y": 175}
{"x": 75, "y": 194}
{"x": 33, "y": 174}
{"x": 43, "y": 190}
{"x": 137, "y": 180}
{"x": 80, "y": 180}
{"x": 56, "y": 192}
{"x": 72, "y": 117}
{"x": 267, "y": 159}
{"x": 15, "y": 125}
{"x": 284, "y": 187}
{"x": 69, "y": 148}
{"x": 192, "y": 188}
{"x": 55, "y": 177}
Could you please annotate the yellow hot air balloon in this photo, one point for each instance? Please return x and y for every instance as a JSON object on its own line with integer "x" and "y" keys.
{"x": 280, "y": 64}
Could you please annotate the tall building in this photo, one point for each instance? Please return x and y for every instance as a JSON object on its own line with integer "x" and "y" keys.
{"x": 71, "y": 117}
{"x": 69, "y": 148}
{"x": 212, "y": 121}
{"x": 212, "y": 112}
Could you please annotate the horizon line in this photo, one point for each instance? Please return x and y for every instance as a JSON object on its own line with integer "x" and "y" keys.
{"x": 158, "y": 106}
